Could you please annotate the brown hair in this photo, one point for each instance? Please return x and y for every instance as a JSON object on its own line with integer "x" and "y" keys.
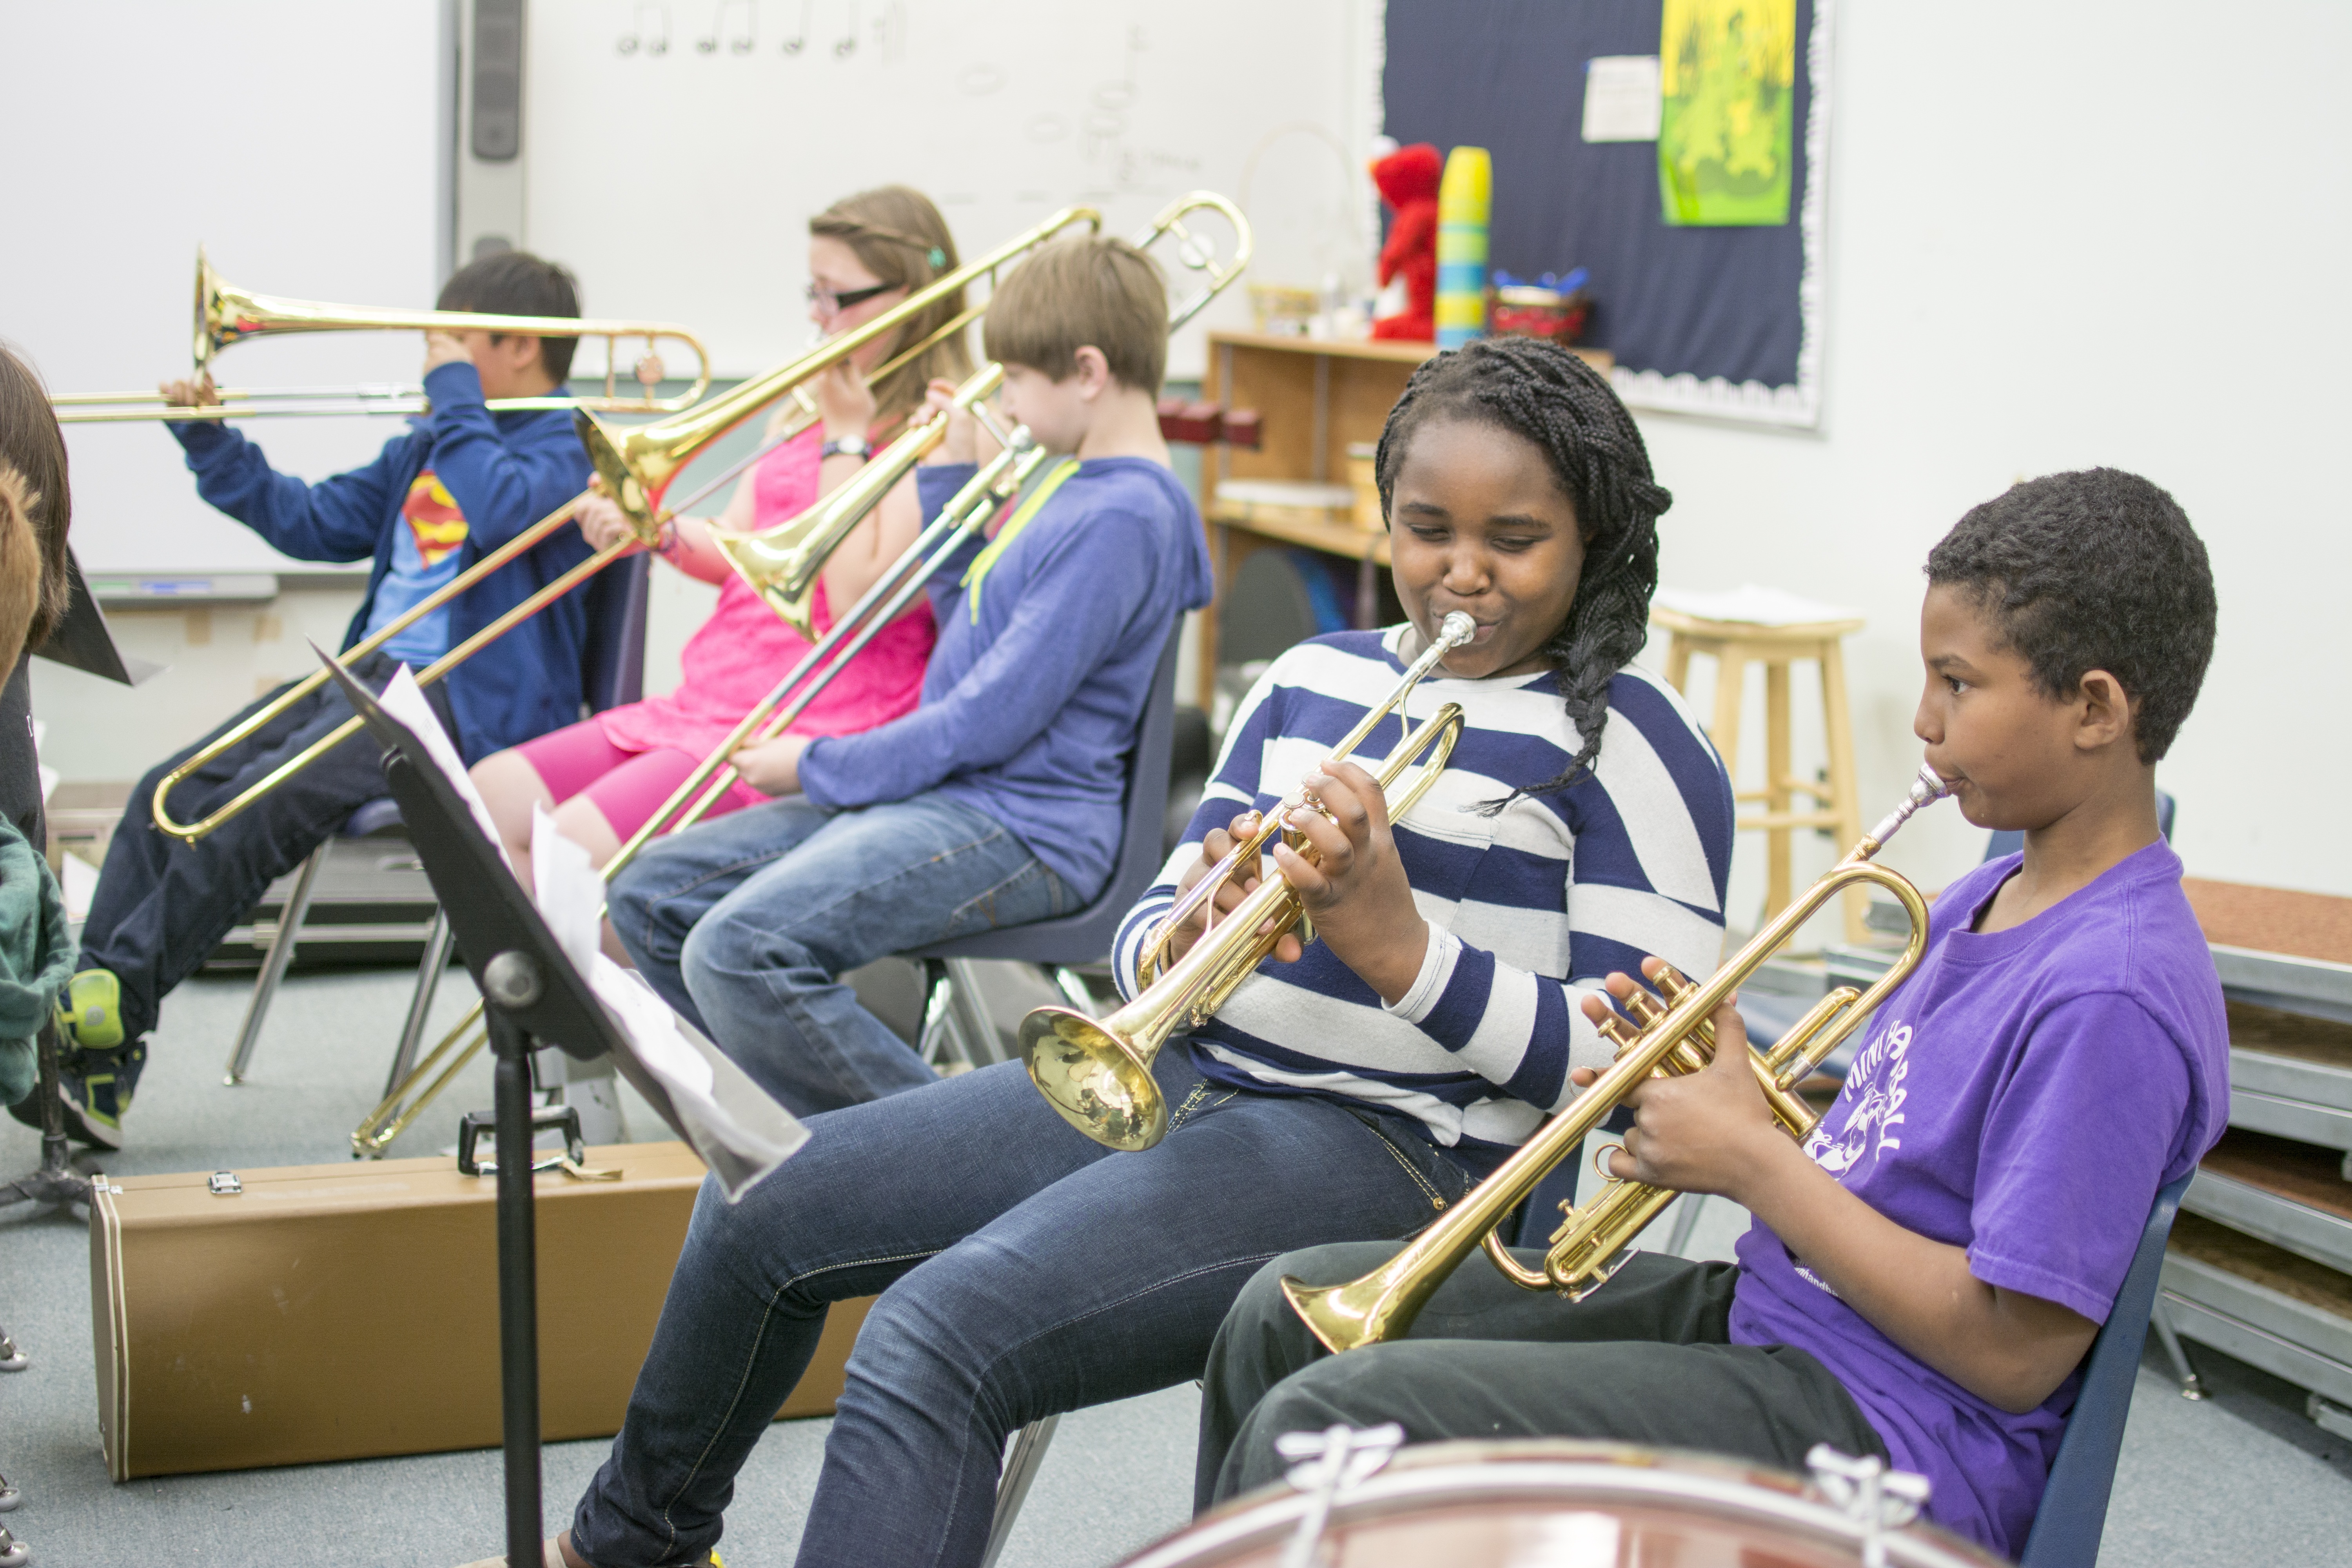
{"x": 36, "y": 509}
{"x": 899, "y": 236}
{"x": 1077, "y": 294}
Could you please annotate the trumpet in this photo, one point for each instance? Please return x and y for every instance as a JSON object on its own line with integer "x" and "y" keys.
{"x": 1097, "y": 1072}
{"x": 1674, "y": 1037}
{"x": 227, "y": 315}
{"x": 813, "y": 536}
{"x": 636, "y": 467}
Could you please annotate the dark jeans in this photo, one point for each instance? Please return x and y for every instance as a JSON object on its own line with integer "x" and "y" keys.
{"x": 745, "y": 924}
{"x": 163, "y": 906}
{"x": 1026, "y": 1271}
{"x": 1645, "y": 1359}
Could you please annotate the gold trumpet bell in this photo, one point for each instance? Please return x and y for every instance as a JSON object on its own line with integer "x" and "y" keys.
{"x": 1098, "y": 1082}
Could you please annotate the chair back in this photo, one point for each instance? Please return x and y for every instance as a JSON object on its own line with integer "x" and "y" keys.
{"x": 2074, "y": 1511}
{"x": 613, "y": 663}
{"x": 1085, "y": 936}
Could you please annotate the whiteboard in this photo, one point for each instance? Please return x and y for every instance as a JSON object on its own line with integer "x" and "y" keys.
{"x": 300, "y": 142}
{"x": 675, "y": 149}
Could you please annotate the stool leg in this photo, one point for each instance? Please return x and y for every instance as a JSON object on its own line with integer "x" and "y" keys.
{"x": 274, "y": 962}
{"x": 1777, "y": 798}
{"x": 1678, "y": 652}
{"x": 1021, "y": 1458}
{"x": 1837, "y": 736}
{"x": 1730, "y": 684}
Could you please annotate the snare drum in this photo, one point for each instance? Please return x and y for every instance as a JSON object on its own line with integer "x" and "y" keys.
{"x": 1561, "y": 1504}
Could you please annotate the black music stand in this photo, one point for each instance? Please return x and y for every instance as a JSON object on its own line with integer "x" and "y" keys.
{"x": 530, "y": 991}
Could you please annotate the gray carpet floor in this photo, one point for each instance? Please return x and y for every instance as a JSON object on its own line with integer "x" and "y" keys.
{"x": 2240, "y": 1478}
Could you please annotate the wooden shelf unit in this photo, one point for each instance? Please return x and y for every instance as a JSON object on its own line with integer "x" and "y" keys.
{"x": 1316, "y": 397}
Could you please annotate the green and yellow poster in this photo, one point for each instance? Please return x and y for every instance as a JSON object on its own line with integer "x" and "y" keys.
{"x": 1726, "y": 74}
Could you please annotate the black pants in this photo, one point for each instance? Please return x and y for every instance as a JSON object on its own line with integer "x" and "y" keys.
{"x": 163, "y": 906}
{"x": 1645, "y": 1359}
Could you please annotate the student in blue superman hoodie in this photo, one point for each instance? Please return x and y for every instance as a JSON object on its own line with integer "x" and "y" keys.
{"x": 436, "y": 501}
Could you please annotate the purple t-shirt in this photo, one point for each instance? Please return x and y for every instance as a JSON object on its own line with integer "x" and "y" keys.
{"x": 2023, "y": 1095}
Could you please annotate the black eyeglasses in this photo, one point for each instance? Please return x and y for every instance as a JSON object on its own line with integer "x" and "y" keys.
{"x": 832, "y": 304}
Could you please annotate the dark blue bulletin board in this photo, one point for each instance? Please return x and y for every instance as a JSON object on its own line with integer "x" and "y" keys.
{"x": 1725, "y": 322}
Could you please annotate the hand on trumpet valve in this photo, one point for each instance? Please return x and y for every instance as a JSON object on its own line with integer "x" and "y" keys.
{"x": 1704, "y": 1131}
{"x": 196, "y": 393}
{"x": 445, "y": 348}
{"x": 771, "y": 767}
{"x": 1219, "y": 844}
{"x": 1354, "y": 887}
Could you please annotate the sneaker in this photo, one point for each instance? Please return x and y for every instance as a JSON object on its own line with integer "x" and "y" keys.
{"x": 95, "y": 1088}
{"x": 89, "y": 1012}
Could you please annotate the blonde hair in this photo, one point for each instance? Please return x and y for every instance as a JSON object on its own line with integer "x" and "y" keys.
{"x": 899, "y": 236}
{"x": 1078, "y": 293}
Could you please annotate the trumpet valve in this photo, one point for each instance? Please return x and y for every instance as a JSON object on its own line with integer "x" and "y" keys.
{"x": 1671, "y": 983}
{"x": 1646, "y": 1009}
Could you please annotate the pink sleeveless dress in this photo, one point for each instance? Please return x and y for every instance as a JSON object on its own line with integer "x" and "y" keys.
{"x": 745, "y": 649}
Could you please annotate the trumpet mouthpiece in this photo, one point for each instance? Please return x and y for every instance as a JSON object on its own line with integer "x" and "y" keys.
{"x": 1457, "y": 630}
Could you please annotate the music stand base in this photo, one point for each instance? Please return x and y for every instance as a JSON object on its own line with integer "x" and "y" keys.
{"x": 56, "y": 1182}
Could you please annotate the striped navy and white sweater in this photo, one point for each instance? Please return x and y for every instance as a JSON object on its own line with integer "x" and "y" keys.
{"x": 1526, "y": 906}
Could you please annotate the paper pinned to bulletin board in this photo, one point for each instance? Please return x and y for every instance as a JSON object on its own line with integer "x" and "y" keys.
{"x": 1727, "y": 81}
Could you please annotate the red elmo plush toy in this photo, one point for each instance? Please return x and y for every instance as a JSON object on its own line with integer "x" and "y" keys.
{"x": 1407, "y": 179}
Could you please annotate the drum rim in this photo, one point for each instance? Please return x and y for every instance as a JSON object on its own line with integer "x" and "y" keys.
{"x": 1599, "y": 1473}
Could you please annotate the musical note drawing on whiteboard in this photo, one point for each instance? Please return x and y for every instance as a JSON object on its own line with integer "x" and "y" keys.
{"x": 846, "y": 45}
{"x": 798, "y": 41}
{"x": 741, "y": 39}
{"x": 650, "y": 30}
{"x": 890, "y": 31}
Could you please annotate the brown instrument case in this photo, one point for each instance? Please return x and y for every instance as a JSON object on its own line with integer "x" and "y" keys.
{"x": 346, "y": 1311}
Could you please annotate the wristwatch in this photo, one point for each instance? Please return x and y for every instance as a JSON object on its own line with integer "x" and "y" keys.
{"x": 857, "y": 446}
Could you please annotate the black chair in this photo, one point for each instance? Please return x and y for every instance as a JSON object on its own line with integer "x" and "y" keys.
{"x": 2074, "y": 1511}
{"x": 613, "y": 672}
{"x": 955, "y": 1029}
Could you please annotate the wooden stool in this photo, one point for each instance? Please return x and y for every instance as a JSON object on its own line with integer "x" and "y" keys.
{"x": 1734, "y": 645}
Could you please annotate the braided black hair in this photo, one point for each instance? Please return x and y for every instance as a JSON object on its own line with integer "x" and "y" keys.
{"x": 1539, "y": 390}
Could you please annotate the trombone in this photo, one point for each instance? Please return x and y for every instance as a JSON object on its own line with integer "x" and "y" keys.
{"x": 1097, "y": 1072}
{"x": 636, "y": 466}
{"x": 227, "y": 315}
{"x": 807, "y": 540}
{"x": 1674, "y": 1037}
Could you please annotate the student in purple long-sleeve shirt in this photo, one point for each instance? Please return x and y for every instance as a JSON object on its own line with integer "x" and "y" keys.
{"x": 998, "y": 801}
{"x": 1925, "y": 1273}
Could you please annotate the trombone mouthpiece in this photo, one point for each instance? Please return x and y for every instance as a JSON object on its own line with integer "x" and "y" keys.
{"x": 1457, "y": 630}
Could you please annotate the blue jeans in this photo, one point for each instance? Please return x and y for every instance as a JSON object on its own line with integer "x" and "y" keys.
{"x": 743, "y": 925}
{"x": 1024, "y": 1270}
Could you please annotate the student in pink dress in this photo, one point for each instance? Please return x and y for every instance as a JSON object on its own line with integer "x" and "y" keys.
{"x": 604, "y": 776}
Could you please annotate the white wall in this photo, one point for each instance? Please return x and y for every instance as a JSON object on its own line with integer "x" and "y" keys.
{"x": 2062, "y": 235}
{"x": 2059, "y": 236}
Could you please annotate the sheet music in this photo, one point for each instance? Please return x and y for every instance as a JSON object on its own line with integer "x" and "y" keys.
{"x": 404, "y": 700}
{"x": 741, "y": 1136}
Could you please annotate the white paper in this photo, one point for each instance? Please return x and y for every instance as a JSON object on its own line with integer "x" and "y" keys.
{"x": 652, "y": 1027}
{"x": 1751, "y": 605}
{"x": 567, "y": 890}
{"x": 405, "y": 700}
{"x": 1621, "y": 98}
